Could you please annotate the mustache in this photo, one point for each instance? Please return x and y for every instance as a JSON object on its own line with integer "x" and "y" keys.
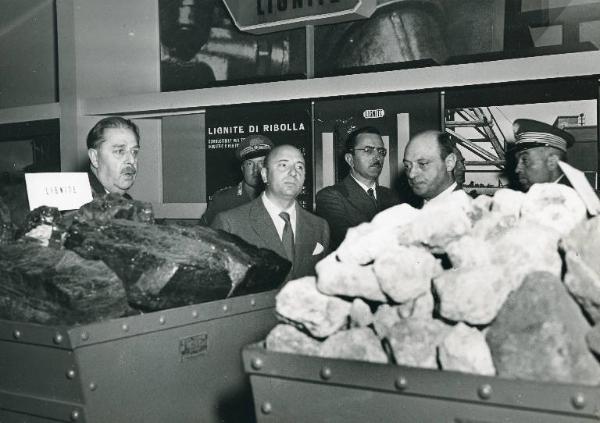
{"x": 376, "y": 163}
{"x": 129, "y": 169}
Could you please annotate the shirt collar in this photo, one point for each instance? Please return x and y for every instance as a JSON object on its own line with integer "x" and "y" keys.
{"x": 274, "y": 211}
{"x": 366, "y": 187}
{"x": 445, "y": 193}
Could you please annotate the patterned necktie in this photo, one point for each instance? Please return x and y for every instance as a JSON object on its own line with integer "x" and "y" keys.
{"x": 372, "y": 195}
{"x": 288, "y": 236}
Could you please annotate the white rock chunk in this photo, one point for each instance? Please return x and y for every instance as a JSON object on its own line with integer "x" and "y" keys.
{"x": 469, "y": 251}
{"x": 405, "y": 272}
{"x": 360, "y": 314}
{"x": 347, "y": 279}
{"x": 354, "y": 344}
{"x": 414, "y": 341}
{"x": 525, "y": 248}
{"x": 286, "y": 338}
{"x": 554, "y": 205}
{"x": 301, "y": 302}
{"x": 472, "y": 295}
{"x": 464, "y": 349}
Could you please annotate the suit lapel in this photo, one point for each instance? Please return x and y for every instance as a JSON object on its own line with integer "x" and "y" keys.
{"x": 303, "y": 237}
{"x": 264, "y": 227}
{"x": 359, "y": 198}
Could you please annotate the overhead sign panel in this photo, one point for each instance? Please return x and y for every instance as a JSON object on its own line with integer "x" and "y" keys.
{"x": 263, "y": 16}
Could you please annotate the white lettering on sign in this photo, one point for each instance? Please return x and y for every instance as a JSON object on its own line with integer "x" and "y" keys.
{"x": 226, "y": 130}
{"x": 63, "y": 190}
{"x": 283, "y": 127}
{"x": 374, "y": 114}
{"x": 264, "y": 7}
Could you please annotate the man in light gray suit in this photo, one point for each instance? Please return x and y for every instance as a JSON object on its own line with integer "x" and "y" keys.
{"x": 275, "y": 220}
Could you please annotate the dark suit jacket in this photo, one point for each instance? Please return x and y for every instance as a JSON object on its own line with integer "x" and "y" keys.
{"x": 225, "y": 199}
{"x": 253, "y": 224}
{"x": 98, "y": 188}
{"x": 345, "y": 205}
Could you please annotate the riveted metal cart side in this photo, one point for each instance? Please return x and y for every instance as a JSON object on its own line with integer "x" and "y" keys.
{"x": 294, "y": 388}
{"x": 179, "y": 365}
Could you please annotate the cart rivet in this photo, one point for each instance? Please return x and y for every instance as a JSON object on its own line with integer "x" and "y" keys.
{"x": 162, "y": 320}
{"x": 74, "y": 415}
{"x": 125, "y": 327}
{"x": 257, "y": 363}
{"x": 578, "y": 400}
{"x": 195, "y": 314}
{"x": 85, "y": 336}
{"x": 266, "y": 407}
{"x": 93, "y": 386}
{"x": 325, "y": 373}
{"x": 225, "y": 308}
{"x": 58, "y": 338}
{"x": 17, "y": 334}
{"x": 252, "y": 302}
{"x": 485, "y": 391}
{"x": 401, "y": 382}
{"x": 71, "y": 374}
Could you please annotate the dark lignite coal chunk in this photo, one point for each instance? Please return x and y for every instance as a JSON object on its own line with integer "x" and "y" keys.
{"x": 166, "y": 266}
{"x": 58, "y": 287}
{"x": 105, "y": 208}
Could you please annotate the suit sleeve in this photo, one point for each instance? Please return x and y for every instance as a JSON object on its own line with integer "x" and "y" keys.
{"x": 330, "y": 207}
{"x": 326, "y": 236}
{"x": 211, "y": 211}
{"x": 221, "y": 222}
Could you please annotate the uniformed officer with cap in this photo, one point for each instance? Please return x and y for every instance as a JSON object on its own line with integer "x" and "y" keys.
{"x": 251, "y": 153}
{"x": 538, "y": 149}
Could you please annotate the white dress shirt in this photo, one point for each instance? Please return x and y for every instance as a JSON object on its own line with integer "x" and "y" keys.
{"x": 274, "y": 211}
{"x": 366, "y": 187}
{"x": 442, "y": 195}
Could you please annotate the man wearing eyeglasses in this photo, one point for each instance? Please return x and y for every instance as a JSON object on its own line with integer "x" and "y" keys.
{"x": 358, "y": 197}
{"x": 429, "y": 163}
{"x": 113, "y": 146}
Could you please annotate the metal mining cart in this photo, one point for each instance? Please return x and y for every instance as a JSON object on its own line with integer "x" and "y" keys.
{"x": 177, "y": 365}
{"x": 290, "y": 388}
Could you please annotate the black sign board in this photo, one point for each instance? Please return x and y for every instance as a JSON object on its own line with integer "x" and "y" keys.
{"x": 226, "y": 127}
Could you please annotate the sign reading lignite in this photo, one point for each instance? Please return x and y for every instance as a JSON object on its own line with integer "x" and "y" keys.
{"x": 262, "y": 16}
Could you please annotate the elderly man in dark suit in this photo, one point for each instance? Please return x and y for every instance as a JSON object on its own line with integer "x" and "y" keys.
{"x": 539, "y": 148}
{"x": 113, "y": 147}
{"x": 275, "y": 220}
{"x": 358, "y": 197}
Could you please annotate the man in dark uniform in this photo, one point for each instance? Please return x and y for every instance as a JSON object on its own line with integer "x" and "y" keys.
{"x": 113, "y": 146}
{"x": 251, "y": 153}
{"x": 538, "y": 149}
{"x": 358, "y": 197}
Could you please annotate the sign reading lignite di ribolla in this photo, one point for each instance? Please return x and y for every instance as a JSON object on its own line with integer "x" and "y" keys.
{"x": 262, "y": 16}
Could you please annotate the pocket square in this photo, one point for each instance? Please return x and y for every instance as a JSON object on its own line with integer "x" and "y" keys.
{"x": 318, "y": 249}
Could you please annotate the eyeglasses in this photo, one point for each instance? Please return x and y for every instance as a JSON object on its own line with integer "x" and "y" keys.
{"x": 370, "y": 150}
{"x": 121, "y": 152}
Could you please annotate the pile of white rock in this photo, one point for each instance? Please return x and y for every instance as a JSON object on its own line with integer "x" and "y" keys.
{"x": 507, "y": 285}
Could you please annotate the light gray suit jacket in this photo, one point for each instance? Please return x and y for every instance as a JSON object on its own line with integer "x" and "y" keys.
{"x": 253, "y": 224}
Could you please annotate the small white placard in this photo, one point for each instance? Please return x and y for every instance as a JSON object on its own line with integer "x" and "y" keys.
{"x": 581, "y": 184}
{"x": 63, "y": 190}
